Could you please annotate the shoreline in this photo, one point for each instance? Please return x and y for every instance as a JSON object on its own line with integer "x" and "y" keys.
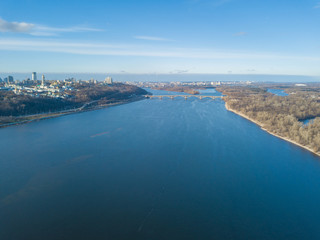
{"x": 44, "y": 116}
{"x": 261, "y": 126}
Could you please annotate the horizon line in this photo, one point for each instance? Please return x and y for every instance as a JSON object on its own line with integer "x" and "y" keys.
{"x": 128, "y": 73}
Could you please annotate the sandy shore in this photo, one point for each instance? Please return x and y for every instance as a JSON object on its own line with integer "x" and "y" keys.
{"x": 261, "y": 125}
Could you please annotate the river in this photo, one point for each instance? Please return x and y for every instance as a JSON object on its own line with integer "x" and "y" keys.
{"x": 155, "y": 169}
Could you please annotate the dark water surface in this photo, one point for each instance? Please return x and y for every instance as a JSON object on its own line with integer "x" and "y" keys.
{"x": 155, "y": 169}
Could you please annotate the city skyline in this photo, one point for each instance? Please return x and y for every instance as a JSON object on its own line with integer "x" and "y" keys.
{"x": 187, "y": 36}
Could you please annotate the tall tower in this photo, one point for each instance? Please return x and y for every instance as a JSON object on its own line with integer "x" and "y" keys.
{"x": 34, "y": 76}
{"x": 43, "y": 79}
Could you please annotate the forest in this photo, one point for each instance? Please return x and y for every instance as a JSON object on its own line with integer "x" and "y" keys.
{"x": 280, "y": 115}
{"x": 185, "y": 89}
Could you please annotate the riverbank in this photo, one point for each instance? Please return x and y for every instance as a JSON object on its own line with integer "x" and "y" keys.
{"x": 261, "y": 126}
{"x": 37, "y": 117}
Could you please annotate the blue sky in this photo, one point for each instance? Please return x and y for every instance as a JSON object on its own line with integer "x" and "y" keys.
{"x": 181, "y": 36}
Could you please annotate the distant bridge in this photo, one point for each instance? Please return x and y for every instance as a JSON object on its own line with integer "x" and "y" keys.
{"x": 182, "y": 96}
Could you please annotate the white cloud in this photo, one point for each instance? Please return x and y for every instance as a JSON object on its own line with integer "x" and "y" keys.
{"x": 144, "y": 50}
{"x": 238, "y": 34}
{"x": 50, "y": 31}
{"x": 20, "y": 27}
{"x": 149, "y": 38}
{"x": 318, "y": 5}
{"x": 40, "y": 30}
{"x": 178, "y": 71}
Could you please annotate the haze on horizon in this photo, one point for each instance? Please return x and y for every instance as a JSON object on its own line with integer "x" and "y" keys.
{"x": 184, "y": 36}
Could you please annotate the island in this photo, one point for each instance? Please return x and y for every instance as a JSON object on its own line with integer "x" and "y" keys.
{"x": 293, "y": 116}
{"x": 183, "y": 89}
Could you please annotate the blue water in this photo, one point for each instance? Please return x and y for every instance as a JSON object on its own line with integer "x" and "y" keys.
{"x": 155, "y": 169}
{"x": 307, "y": 121}
{"x": 278, "y": 92}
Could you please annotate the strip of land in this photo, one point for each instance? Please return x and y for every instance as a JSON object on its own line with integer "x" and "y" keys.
{"x": 42, "y": 116}
{"x": 23, "y": 107}
{"x": 182, "y": 89}
{"x": 261, "y": 125}
{"x": 281, "y": 116}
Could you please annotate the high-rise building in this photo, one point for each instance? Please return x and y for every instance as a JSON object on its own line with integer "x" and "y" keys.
{"x": 10, "y": 79}
{"x": 108, "y": 80}
{"x": 34, "y": 76}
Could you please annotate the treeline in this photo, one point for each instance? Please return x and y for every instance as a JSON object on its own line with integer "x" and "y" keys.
{"x": 115, "y": 92}
{"x": 280, "y": 115}
{"x": 184, "y": 89}
{"x": 16, "y": 105}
